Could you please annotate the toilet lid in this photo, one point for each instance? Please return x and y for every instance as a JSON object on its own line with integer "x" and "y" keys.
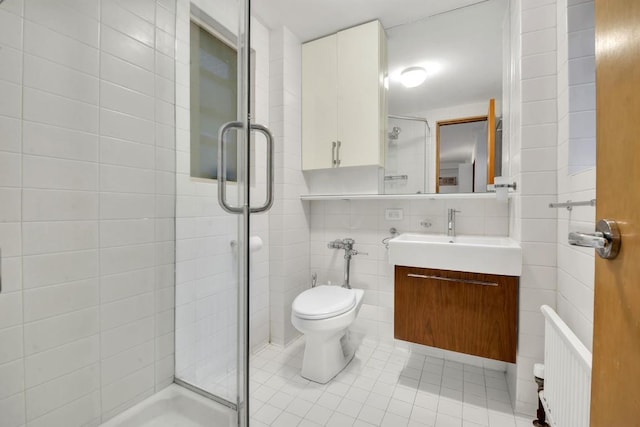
{"x": 323, "y": 301}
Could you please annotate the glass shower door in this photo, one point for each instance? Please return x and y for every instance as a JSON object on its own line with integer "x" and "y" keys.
{"x": 213, "y": 199}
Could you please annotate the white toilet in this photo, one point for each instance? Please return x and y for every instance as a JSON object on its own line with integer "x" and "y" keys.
{"x": 323, "y": 315}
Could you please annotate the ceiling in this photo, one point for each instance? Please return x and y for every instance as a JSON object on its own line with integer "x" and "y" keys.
{"x": 463, "y": 37}
{"x": 310, "y": 19}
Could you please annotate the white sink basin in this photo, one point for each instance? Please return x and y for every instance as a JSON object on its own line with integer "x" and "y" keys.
{"x": 481, "y": 254}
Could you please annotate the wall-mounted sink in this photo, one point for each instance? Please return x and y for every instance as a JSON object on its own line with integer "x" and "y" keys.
{"x": 479, "y": 254}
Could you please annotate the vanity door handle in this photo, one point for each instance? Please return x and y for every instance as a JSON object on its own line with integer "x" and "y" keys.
{"x": 338, "y": 153}
{"x": 449, "y": 279}
{"x": 333, "y": 154}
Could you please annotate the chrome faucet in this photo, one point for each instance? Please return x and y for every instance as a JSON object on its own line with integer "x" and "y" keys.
{"x": 451, "y": 222}
{"x": 347, "y": 245}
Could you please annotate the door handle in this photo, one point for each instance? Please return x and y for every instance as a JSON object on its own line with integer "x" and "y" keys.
{"x": 269, "y": 202}
{"x": 606, "y": 239}
{"x": 333, "y": 154}
{"x": 222, "y": 167}
{"x": 588, "y": 240}
{"x": 338, "y": 153}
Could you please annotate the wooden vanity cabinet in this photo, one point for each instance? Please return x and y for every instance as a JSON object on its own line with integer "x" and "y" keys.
{"x": 468, "y": 313}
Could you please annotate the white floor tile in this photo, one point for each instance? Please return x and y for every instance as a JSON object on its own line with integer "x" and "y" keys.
{"x": 286, "y": 419}
{"x": 371, "y": 415}
{"x": 267, "y": 414}
{"x": 382, "y": 386}
{"x": 340, "y": 420}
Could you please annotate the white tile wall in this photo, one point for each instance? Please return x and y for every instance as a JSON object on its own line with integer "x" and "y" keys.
{"x": 365, "y": 222}
{"x": 85, "y": 233}
{"x": 533, "y": 140}
{"x": 289, "y": 217}
{"x": 556, "y": 85}
{"x": 575, "y": 163}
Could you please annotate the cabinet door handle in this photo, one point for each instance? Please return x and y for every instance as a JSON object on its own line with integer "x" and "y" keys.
{"x": 333, "y": 154}
{"x": 449, "y": 279}
{"x": 338, "y": 155}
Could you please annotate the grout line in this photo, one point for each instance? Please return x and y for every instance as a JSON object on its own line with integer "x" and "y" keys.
{"x": 24, "y": 347}
{"x": 99, "y": 213}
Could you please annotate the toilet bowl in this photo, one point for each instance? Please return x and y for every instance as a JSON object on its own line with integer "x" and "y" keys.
{"x": 323, "y": 314}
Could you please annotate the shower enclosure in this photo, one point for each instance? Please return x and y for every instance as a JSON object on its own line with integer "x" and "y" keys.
{"x": 213, "y": 216}
{"x": 406, "y": 160}
{"x": 122, "y": 266}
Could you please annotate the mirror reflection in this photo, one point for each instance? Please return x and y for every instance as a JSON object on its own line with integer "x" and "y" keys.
{"x": 462, "y": 54}
{"x": 444, "y": 61}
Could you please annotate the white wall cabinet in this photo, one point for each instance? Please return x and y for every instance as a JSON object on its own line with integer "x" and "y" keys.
{"x": 344, "y": 106}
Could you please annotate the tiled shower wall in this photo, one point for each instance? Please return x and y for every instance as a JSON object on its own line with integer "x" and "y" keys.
{"x": 86, "y": 207}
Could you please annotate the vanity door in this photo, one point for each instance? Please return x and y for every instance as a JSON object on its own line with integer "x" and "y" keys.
{"x": 468, "y": 313}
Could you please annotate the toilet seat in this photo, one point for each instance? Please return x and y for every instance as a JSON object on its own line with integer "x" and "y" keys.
{"x": 323, "y": 302}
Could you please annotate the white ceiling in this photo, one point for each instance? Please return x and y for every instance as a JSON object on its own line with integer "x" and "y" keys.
{"x": 466, "y": 42}
{"x": 310, "y": 19}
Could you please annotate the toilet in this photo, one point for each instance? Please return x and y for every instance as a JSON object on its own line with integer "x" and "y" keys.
{"x": 323, "y": 314}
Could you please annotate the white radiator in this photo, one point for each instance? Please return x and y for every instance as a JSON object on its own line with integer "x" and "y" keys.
{"x": 567, "y": 374}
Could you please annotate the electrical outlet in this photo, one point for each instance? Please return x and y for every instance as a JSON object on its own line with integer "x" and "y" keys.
{"x": 394, "y": 214}
{"x": 426, "y": 223}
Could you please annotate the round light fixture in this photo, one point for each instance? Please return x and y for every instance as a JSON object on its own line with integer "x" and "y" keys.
{"x": 413, "y": 76}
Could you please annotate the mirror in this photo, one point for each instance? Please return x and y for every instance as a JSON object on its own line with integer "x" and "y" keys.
{"x": 460, "y": 44}
{"x": 469, "y": 152}
{"x": 462, "y": 51}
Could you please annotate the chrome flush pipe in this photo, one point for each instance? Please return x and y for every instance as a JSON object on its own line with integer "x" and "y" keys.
{"x": 347, "y": 245}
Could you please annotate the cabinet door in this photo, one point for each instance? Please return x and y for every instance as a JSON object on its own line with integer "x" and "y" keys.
{"x": 360, "y": 82}
{"x": 319, "y": 98}
{"x": 469, "y": 313}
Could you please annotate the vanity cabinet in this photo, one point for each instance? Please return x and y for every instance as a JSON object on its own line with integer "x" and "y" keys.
{"x": 344, "y": 98}
{"x": 468, "y": 313}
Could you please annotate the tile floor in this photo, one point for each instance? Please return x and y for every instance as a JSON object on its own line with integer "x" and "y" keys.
{"x": 382, "y": 386}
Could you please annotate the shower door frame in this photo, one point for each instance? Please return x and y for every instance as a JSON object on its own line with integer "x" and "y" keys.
{"x": 242, "y": 209}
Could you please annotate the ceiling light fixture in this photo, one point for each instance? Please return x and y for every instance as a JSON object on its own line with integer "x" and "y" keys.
{"x": 413, "y": 76}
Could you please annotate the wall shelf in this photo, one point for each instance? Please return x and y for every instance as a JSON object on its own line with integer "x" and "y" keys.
{"x": 397, "y": 196}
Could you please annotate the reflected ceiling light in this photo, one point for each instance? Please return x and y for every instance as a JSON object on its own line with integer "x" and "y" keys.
{"x": 413, "y": 76}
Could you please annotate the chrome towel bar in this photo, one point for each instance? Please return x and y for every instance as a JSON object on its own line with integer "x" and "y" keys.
{"x": 569, "y": 204}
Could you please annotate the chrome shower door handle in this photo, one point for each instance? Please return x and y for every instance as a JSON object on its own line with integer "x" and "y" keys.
{"x": 270, "y": 148}
{"x": 222, "y": 167}
{"x": 606, "y": 240}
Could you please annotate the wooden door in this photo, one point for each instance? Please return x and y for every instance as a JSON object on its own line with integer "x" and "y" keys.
{"x": 491, "y": 142}
{"x": 615, "y": 388}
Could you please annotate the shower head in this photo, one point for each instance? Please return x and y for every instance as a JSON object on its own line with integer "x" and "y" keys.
{"x": 395, "y": 132}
